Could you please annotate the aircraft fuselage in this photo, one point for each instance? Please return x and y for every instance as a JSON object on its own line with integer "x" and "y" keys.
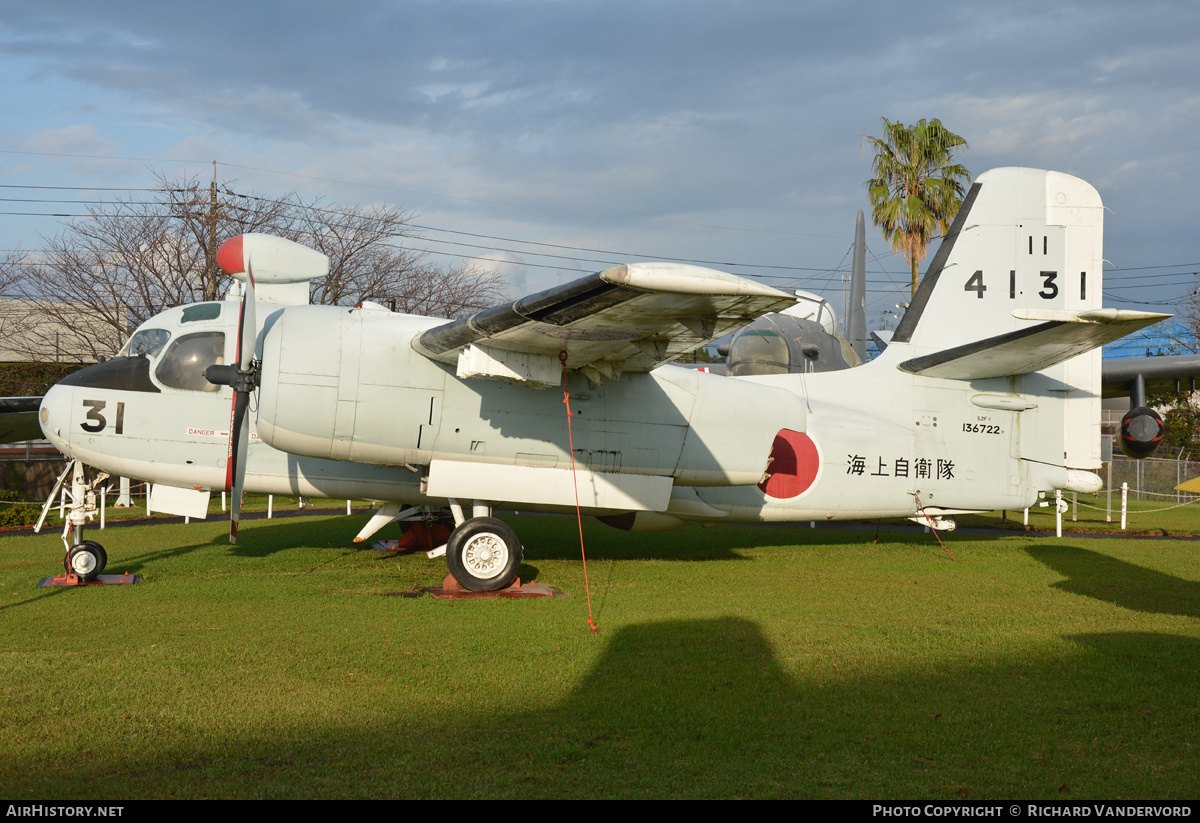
{"x": 347, "y": 408}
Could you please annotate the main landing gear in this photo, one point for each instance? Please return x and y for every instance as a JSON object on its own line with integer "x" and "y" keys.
{"x": 483, "y": 554}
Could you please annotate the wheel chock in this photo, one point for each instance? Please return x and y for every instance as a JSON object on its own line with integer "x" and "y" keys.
{"x": 61, "y": 580}
{"x": 451, "y": 590}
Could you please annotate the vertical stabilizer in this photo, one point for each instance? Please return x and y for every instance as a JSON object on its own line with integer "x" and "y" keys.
{"x": 1024, "y": 239}
{"x": 856, "y": 318}
{"x": 1024, "y": 254}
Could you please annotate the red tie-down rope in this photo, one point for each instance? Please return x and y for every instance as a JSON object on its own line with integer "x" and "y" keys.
{"x": 931, "y": 528}
{"x": 562, "y": 358}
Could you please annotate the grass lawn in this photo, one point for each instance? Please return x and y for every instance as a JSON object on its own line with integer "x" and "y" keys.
{"x": 730, "y": 662}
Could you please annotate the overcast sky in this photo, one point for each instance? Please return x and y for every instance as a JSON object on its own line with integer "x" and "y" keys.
{"x": 717, "y": 131}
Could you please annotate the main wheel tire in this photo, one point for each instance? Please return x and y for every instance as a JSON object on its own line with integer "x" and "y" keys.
{"x": 87, "y": 559}
{"x": 484, "y": 554}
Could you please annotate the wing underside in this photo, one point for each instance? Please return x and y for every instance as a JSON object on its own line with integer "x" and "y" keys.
{"x": 19, "y": 419}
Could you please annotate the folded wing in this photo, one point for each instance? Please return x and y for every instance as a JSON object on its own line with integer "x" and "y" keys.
{"x": 628, "y": 318}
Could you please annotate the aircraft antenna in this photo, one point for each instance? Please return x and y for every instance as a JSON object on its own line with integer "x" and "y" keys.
{"x": 210, "y": 273}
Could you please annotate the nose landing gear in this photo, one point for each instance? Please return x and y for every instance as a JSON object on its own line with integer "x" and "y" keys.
{"x": 85, "y": 559}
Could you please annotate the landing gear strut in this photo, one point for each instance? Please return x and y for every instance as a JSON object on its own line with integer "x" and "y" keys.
{"x": 483, "y": 554}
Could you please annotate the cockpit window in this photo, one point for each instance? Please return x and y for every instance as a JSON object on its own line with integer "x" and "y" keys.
{"x": 148, "y": 342}
{"x": 183, "y": 365}
{"x": 201, "y": 311}
{"x": 757, "y": 351}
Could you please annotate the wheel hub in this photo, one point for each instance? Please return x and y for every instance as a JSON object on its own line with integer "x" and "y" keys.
{"x": 83, "y": 562}
{"x": 485, "y": 555}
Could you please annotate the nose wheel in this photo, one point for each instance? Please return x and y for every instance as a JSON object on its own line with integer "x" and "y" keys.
{"x": 86, "y": 560}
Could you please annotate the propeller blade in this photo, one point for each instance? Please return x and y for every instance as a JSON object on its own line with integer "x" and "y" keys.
{"x": 235, "y": 475}
{"x": 247, "y": 330}
{"x": 239, "y": 423}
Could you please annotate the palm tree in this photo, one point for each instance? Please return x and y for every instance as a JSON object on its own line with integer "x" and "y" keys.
{"x": 917, "y": 187}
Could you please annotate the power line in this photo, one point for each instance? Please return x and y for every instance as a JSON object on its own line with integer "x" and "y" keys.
{"x": 405, "y": 191}
{"x": 607, "y": 251}
{"x": 522, "y": 251}
{"x": 550, "y": 245}
{"x": 1140, "y": 302}
{"x": 41, "y": 214}
{"x": 516, "y": 205}
{"x": 74, "y": 188}
{"x": 1144, "y": 268}
{"x": 78, "y": 202}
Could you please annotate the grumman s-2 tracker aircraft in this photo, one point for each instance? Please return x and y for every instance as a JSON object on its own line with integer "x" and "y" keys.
{"x": 987, "y": 394}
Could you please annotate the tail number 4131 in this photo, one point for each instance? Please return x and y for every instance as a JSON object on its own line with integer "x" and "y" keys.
{"x": 1048, "y": 291}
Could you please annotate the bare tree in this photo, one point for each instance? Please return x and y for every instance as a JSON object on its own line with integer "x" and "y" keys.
{"x": 1184, "y": 330}
{"x": 11, "y": 311}
{"x": 105, "y": 274}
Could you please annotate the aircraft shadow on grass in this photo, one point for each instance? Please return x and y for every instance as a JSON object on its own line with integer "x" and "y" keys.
{"x": 544, "y": 538}
{"x": 1096, "y": 575}
{"x": 557, "y": 538}
{"x": 696, "y": 708}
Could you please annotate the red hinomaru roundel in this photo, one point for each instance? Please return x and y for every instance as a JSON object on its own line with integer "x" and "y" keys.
{"x": 793, "y": 465}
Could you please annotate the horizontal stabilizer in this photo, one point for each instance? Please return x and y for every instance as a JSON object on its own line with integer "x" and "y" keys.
{"x": 1062, "y": 335}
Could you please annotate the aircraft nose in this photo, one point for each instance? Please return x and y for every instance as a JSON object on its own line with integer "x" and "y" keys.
{"x": 54, "y": 416}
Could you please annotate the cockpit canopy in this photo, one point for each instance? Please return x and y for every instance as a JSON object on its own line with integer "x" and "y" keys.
{"x": 181, "y": 358}
{"x": 183, "y": 363}
{"x": 147, "y": 342}
{"x": 802, "y": 339}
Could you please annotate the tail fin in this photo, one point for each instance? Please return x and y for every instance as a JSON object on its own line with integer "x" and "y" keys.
{"x": 1018, "y": 276}
{"x": 856, "y": 317}
{"x": 1016, "y": 289}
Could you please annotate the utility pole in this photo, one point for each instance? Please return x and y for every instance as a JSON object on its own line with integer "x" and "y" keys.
{"x": 210, "y": 274}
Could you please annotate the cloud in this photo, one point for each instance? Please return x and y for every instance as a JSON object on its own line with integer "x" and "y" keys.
{"x": 625, "y": 126}
{"x": 80, "y": 138}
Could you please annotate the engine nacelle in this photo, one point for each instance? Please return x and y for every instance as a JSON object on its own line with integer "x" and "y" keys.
{"x": 1141, "y": 432}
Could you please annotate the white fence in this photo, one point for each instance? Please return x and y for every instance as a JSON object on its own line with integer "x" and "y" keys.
{"x": 1153, "y": 478}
